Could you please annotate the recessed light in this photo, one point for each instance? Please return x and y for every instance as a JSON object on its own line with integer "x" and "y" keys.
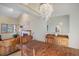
{"x": 11, "y": 9}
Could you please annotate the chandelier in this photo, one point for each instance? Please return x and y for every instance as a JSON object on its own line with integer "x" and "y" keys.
{"x": 46, "y": 10}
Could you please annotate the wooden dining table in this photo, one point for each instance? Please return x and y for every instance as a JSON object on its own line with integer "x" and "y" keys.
{"x": 38, "y": 48}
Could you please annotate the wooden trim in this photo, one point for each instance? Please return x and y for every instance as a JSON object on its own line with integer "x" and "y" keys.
{"x": 66, "y": 36}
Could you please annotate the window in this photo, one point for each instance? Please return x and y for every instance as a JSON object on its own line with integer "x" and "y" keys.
{"x": 8, "y": 28}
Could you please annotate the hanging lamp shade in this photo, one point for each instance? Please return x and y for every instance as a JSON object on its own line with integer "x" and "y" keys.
{"x": 46, "y": 9}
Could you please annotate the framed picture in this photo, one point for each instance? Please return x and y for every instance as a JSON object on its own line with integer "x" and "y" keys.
{"x": 8, "y": 28}
{"x": 4, "y": 28}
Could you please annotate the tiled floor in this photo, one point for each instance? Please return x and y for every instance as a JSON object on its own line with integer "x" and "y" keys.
{"x": 18, "y": 53}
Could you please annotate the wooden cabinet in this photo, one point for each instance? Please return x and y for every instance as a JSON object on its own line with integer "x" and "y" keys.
{"x": 58, "y": 40}
{"x": 62, "y": 41}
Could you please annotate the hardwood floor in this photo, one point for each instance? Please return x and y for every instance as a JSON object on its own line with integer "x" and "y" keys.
{"x": 37, "y": 48}
{"x": 18, "y": 53}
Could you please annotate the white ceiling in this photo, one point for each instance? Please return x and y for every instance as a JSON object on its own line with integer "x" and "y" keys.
{"x": 59, "y": 8}
{"x": 6, "y": 10}
{"x": 64, "y": 8}
{"x": 18, "y": 9}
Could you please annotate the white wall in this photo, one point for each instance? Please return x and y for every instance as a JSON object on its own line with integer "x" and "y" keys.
{"x": 36, "y": 25}
{"x": 74, "y": 29}
{"x": 73, "y": 11}
{"x": 39, "y": 28}
{"x": 7, "y": 20}
{"x": 59, "y": 20}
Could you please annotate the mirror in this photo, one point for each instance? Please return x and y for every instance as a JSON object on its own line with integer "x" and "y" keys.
{"x": 59, "y": 25}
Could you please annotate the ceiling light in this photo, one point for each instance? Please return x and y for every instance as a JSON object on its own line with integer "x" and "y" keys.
{"x": 46, "y": 10}
{"x": 11, "y": 9}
